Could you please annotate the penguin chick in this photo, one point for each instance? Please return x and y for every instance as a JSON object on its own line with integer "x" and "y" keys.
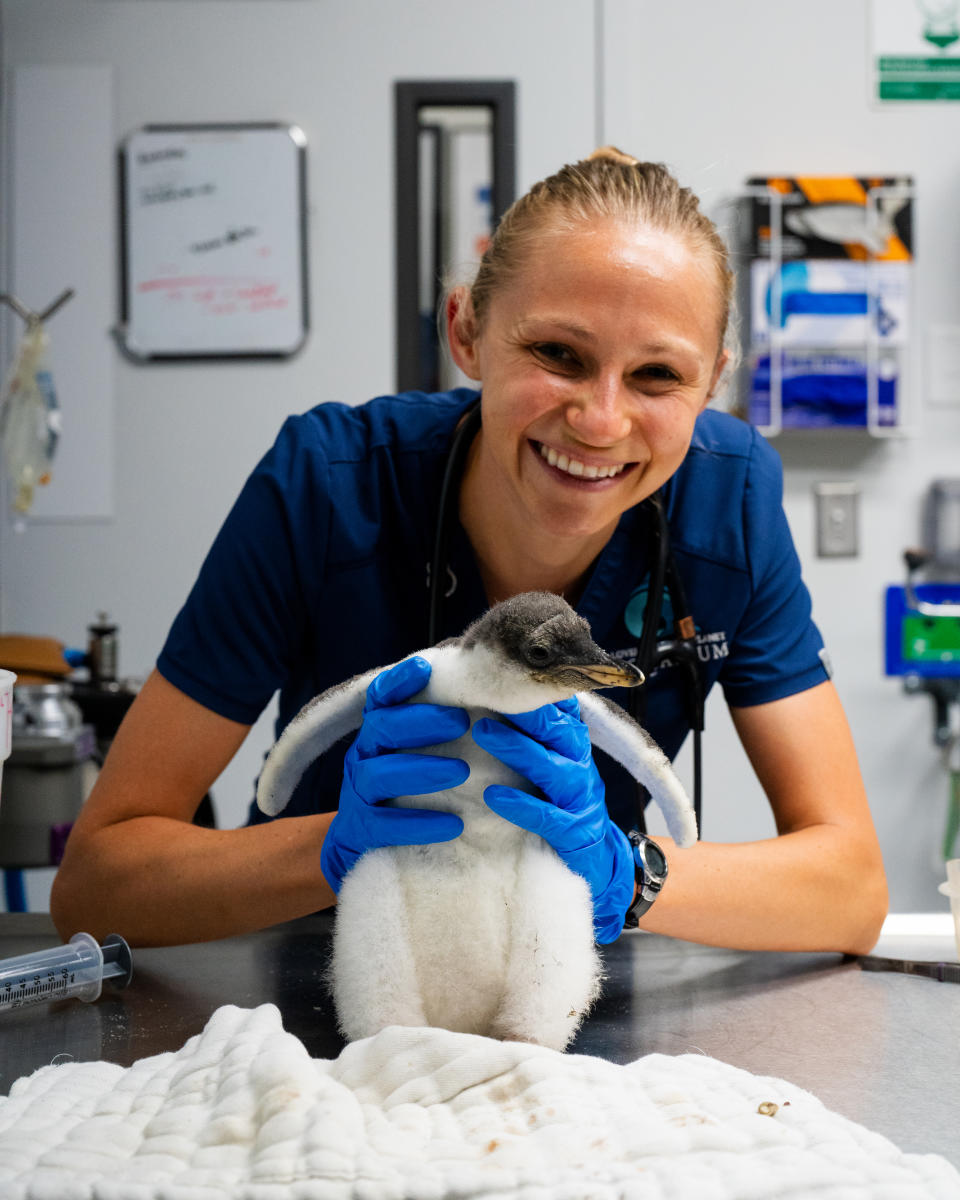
{"x": 490, "y": 933}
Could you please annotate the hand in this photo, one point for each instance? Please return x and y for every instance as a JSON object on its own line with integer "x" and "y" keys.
{"x": 551, "y": 748}
{"x": 372, "y": 772}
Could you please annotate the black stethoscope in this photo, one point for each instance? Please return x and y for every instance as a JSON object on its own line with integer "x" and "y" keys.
{"x": 679, "y": 648}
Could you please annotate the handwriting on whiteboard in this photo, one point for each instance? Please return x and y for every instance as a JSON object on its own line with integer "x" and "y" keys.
{"x": 231, "y": 238}
{"x": 165, "y": 193}
{"x": 218, "y": 295}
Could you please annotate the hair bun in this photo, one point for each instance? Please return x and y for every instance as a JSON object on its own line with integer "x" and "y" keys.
{"x": 613, "y": 154}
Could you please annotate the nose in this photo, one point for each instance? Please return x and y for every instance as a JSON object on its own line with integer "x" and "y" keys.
{"x": 600, "y": 415}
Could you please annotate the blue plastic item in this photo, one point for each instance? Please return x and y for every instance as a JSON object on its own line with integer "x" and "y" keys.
{"x": 551, "y": 747}
{"x": 374, "y": 770}
{"x": 14, "y": 891}
{"x": 797, "y": 299}
{"x": 920, "y": 640}
{"x": 820, "y": 390}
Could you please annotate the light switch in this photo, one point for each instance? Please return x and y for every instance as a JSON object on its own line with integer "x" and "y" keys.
{"x": 837, "y": 519}
{"x": 943, "y": 366}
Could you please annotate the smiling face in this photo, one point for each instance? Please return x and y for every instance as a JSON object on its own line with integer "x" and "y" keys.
{"x": 595, "y": 360}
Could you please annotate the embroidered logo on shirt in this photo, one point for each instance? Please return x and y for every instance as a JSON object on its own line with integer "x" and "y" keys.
{"x": 710, "y": 646}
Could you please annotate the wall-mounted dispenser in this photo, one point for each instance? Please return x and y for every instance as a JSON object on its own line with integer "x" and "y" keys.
{"x": 829, "y": 305}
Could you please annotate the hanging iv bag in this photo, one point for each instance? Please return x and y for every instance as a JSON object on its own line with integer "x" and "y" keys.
{"x": 30, "y": 418}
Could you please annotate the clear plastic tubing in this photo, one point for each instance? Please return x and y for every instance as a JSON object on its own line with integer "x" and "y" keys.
{"x": 75, "y": 969}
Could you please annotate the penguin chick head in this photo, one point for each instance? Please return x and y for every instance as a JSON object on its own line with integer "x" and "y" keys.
{"x": 534, "y": 649}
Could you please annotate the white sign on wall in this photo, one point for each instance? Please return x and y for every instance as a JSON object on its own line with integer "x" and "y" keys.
{"x": 914, "y": 50}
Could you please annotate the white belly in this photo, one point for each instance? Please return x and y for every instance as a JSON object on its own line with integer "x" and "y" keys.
{"x": 489, "y": 933}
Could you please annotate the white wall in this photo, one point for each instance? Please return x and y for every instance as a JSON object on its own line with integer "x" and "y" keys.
{"x": 738, "y": 88}
{"x": 720, "y": 89}
{"x": 186, "y": 436}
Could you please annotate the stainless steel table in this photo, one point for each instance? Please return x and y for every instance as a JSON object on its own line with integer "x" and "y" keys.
{"x": 883, "y": 1049}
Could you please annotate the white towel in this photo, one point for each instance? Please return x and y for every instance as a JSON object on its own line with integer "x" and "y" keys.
{"x": 243, "y": 1111}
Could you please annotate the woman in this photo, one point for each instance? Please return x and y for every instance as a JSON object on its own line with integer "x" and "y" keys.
{"x": 595, "y": 329}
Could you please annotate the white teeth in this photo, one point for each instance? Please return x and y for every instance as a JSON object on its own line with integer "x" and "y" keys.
{"x": 573, "y": 466}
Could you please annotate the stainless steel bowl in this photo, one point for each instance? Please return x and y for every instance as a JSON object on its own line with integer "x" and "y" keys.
{"x": 44, "y": 710}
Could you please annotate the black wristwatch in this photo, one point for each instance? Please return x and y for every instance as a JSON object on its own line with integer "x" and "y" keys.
{"x": 650, "y": 873}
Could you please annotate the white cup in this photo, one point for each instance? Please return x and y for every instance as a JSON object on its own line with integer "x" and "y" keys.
{"x": 7, "y": 680}
{"x": 951, "y": 888}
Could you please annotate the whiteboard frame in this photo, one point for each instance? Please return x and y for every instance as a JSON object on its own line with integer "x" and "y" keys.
{"x": 167, "y": 348}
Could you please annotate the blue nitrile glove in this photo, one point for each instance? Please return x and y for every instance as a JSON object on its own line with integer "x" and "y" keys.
{"x": 373, "y": 772}
{"x": 554, "y": 753}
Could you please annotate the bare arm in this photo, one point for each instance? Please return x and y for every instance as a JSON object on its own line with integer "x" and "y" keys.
{"x": 135, "y": 864}
{"x": 820, "y": 884}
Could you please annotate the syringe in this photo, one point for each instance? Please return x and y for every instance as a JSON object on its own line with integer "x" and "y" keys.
{"x": 75, "y": 969}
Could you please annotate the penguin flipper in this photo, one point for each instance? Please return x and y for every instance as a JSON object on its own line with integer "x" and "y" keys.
{"x": 321, "y": 722}
{"x": 616, "y": 733}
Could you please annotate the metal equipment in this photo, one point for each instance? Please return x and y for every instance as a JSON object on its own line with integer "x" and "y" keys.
{"x": 923, "y": 632}
{"x": 43, "y": 779}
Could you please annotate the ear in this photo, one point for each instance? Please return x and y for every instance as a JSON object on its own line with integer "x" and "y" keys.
{"x": 723, "y": 361}
{"x": 462, "y": 332}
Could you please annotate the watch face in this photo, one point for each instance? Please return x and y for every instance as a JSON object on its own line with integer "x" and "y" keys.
{"x": 655, "y": 858}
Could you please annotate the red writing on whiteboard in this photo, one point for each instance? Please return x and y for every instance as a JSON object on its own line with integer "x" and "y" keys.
{"x": 184, "y": 281}
{"x": 218, "y": 295}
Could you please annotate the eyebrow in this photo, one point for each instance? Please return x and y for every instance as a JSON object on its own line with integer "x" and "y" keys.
{"x": 525, "y": 327}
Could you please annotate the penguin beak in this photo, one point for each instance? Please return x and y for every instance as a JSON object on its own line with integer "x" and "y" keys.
{"x": 610, "y": 674}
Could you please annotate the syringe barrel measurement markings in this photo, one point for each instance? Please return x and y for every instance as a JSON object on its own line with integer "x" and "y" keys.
{"x": 15, "y": 993}
{"x": 75, "y": 969}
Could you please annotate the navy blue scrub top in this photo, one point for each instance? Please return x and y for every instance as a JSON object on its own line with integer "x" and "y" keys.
{"x": 320, "y": 572}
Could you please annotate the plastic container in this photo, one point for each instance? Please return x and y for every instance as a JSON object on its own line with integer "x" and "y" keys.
{"x": 7, "y": 680}
{"x": 951, "y": 888}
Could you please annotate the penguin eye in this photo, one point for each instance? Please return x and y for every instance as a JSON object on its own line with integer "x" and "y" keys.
{"x": 538, "y": 655}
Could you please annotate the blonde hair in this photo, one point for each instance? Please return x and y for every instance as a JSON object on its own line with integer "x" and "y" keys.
{"x": 608, "y": 184}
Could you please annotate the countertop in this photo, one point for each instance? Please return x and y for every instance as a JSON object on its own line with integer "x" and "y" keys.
{"x": 881, "y": 1048}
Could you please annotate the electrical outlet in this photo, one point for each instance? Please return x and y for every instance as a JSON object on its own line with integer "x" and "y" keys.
{"x": 837, "y": 520}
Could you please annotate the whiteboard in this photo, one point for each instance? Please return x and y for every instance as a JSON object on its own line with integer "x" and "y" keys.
{"x": 213, "y": 241}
